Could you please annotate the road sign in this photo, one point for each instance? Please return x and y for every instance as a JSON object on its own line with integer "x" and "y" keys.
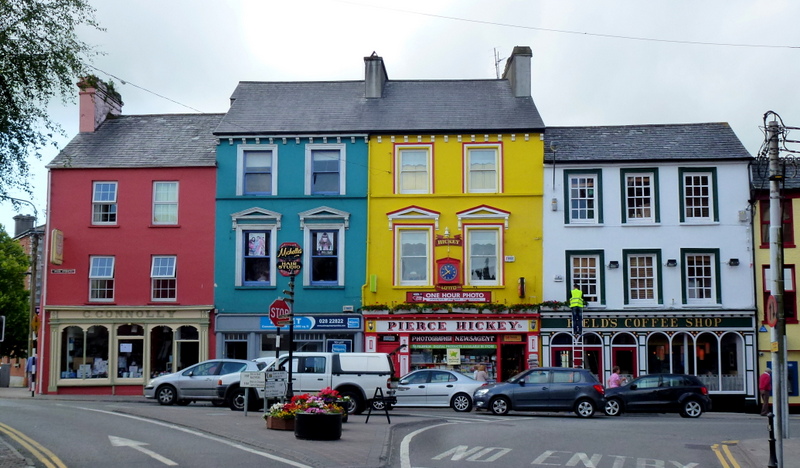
{"x": 251, "y": 379}
{"x": 289, "y": 259}
{"x": 280, "y": 313}
{"x": 275, "y": 388}
{"x": 277, "y": 375}
{"x": 772, "y": 311}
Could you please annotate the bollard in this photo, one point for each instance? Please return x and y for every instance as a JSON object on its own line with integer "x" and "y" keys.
{"x": 773, "y": 461}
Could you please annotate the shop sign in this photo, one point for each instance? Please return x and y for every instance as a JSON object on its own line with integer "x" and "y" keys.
{"x": 309, "y": 322}
{"x": 449, "y": 346}
{"x": 455, "y": 326}
{"x": 453, "y": 338}
{"x": 512, "y": 338}
{"x": 288, "y": 259}
{"x": 449, "y": 296}
{"x": 453, "y": 356}
{"x": 446, "y": 240}
{"x": 698, "y": 323}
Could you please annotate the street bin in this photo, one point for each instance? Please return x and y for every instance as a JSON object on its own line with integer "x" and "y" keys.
{"x": 5, "y": 375}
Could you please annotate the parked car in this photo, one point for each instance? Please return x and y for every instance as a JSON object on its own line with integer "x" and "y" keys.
{"x": 544, "y": 389}
{"x": 232, "y": 395}
{"x": 195, "y": 383}
{"x": 436, "y": 387}
{"x": 660, "y": 393}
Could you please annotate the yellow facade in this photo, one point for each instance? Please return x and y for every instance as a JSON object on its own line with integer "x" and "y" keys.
{"x": 791, "y": 258}
{"x": 485, "y": 189}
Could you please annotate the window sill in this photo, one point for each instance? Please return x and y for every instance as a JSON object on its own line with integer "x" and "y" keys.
{"x": 157, "y": 303}
{"x": 101, "y": 303}
{"x": 104, "y": 226}
{"x": 322, "y": 286}
{"x": 251, "y": 288}
{"x": 164, "y": 225}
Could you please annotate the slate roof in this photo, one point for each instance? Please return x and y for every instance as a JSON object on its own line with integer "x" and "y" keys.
{"x": 429, "y": 106}
{"x": 759, "y": 174}
{"x": 652, "y": 143}
{"x": 163, "y": 140}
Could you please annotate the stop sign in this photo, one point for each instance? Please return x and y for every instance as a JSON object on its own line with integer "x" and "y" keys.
{"x": 279, "y": 312}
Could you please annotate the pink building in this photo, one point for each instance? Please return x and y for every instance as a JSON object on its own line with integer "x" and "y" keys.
{"x": 129, "y": 265}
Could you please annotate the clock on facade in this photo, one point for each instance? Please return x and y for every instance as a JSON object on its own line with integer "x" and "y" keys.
{"x": 448, "y": 271}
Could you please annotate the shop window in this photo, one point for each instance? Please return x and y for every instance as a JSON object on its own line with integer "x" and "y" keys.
{"x": 640, "y": 196}
{"x": 84, "y": 353}
{"x": 163, "y": 281}
{"x": 161, "y": 351}
{"x": 165, "y": 202}
{"x": 482, "y": 168}
{"x": 698, "y": 195}
{"x": 104, "y": 203}
{"x": 683, "y": 354}
{"x": 583, "y": 195}
{"x": 659, "y": 354}
{"x": 731, "y": 353}
{"x": 414, "y": 169}
{"x": 101, "y": 279}
{"x": 130, "y": 346}
{"x": 586, "y": 273}
{"x": 787, "y": 226}
{"x": 187, "y": 341}
{"x": 483, "y": 251}
{"x": 700, "y": 272}
{"x": 326, "y": 170}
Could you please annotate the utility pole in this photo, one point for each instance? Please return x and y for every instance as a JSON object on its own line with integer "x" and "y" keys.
{"x": 778, "y": 332}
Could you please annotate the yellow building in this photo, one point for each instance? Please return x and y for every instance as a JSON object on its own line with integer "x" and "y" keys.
{"x": 455, "y": 201}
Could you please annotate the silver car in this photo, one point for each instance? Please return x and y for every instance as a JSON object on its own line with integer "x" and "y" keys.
{"x": 195, "y": 383}
{"x": 437, "y": 387}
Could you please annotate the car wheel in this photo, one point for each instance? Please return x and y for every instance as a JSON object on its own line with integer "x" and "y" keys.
{"x": 166, "y": 395}
{"x": 613, "y": 407}
{"x": 236, "y": 399}
{"x": 183, "y": 402}
{"x": 461, "y": 402}
{"x": 218, "y": 403}
{"x": 691, "y": 409}
{"x": 500, "y": 406}
{"x": 356, "y": 405}
{"x": 584, "y": 408}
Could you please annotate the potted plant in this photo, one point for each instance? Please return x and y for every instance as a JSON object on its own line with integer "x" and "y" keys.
{"x": 552, "y": 305}
{"x": 280, "y": 416}
{"x": 376, "y": 308}
{"x": 406, "y": 308}
{"x": 320, "y": 416}
{"x": 523, "y": 308}
{"x": 467, "y": 308}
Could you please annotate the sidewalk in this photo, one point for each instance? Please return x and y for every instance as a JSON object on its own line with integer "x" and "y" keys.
{"x": 362, "y": 445}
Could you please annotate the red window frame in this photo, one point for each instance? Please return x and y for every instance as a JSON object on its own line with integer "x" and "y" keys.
{"x": 788, "y": 222}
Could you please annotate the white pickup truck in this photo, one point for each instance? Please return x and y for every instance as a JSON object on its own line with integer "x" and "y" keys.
{"x": 355, "y": 375}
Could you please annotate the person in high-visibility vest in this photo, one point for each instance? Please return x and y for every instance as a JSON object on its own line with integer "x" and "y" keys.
{"x": 577, "y": 304}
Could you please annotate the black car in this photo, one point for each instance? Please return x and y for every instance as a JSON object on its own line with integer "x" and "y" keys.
{"x": 543, "y": 389}
{"x": 660, "y": 393}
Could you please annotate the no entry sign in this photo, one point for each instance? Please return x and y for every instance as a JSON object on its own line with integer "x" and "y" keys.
{"x": 279, "y": 313}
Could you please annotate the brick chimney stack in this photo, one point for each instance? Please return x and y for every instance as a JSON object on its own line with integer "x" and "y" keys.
{"x": 97, "y": 102}
{"x": 374, "y": 76}
{"x": 518, "y": 71}
{"x": 22, "y": 224}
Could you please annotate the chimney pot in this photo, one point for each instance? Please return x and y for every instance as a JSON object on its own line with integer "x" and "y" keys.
{"x": 97, "y": 101}
{"x": 375, "y": 76}
{"x": 22, "y": 224}
{"x": 518, "y": 71}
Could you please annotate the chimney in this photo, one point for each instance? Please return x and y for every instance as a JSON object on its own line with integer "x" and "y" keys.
{"x": 98, "y": 100}
{"x": 374, "y": 76}
{"x": 518, "y": 71}
{"x": 22, "y": 224}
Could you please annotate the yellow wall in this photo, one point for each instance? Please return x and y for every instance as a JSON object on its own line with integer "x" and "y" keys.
{"x": 521, "y": 196}
{"x": 791, "y": 256}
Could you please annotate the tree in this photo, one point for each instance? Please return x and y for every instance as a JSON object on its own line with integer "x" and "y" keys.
{"x": 41, "y": 58}
{"x": 14, "y": 298}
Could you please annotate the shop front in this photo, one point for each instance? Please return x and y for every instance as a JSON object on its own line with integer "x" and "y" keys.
{"x": 117, "y": 350}
{"x": 504, "y": 344}
{"x": 717, "y": 347}
{"x": 248, "y": 336}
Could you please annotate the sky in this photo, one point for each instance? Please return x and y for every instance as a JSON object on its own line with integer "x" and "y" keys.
{"x": 594, "y": 63}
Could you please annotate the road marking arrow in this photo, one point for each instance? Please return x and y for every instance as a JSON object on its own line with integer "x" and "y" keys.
{"x": 120, "y": 442}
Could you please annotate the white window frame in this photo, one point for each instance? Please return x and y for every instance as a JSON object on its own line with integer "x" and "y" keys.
{"x": 94, "y": 275}
{"x": 165, "y": 203}
{"x": 498, "y": 254}
{"x": 588, "y": 277}
{"x": 240, "y": 168}
{"x": 308, "y": 261}
{"x": 626, "y": 197}
{"x": 595, "y": 199}
{"x": 631, "y": 275}
{"x": 425, "y": 280}
{"x": 100, "y": 204}
{"x": 342, "y": 149}
{"x": 399, "y": 150}
{"x": 710, "y": 199}
{"x": 240, "y": 249}
{"x": 709, "y": 292}
{"x": 164, "y": 272}
{"x": 498, "y": 170}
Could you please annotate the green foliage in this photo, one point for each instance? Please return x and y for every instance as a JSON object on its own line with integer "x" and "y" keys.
{"x": 41, "y": 58}
{"x": 14, "y": 303}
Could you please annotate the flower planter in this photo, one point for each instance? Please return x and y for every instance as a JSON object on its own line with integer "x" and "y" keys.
{"x": 279, "y": 424}
{"x": 318, "y": 426}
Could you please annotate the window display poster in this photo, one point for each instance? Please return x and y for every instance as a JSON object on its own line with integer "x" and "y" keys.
{"x": 126, "y": 347}
{"x": 453, "y": 356}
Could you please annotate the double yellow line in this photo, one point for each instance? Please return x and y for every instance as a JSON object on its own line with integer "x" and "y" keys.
{"x": 41, "y": 453}
{"x": 724, "y": 454}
